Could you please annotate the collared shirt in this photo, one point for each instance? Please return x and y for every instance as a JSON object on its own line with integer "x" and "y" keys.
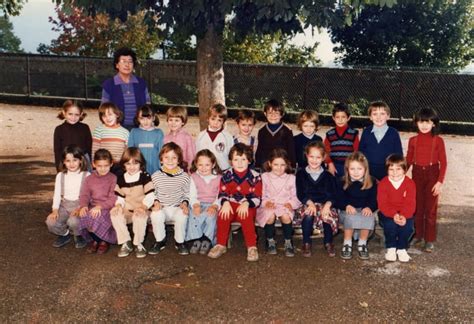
{"x": 315, "y": 174}
{"x": 379, "y": 132}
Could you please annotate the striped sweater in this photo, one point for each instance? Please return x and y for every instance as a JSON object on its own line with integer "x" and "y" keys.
{"x": 113, "y": 139}
{"x": 171, "y": 189}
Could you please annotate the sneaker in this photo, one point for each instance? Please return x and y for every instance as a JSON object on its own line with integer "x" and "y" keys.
{"x": 330, "y": 249}
{"x": 403, "y": 255}
{"x": 92, "y": 247}
{"x": 62, "y": 241}
{"x": 417, "y": 242}
{"x": 252, "y": 254}
{"x": 205, "y": 247}
{"x": 103, "y": 247}
{"x": 196, "y": 247}
{"x": 363, "y": 252}
{"x": 289, "y": 249}
{"x": 217, "y": 251}
{"x": 182, "y": 248}
{"x": 346, "y": 252}
{"x": 125, "y": 250}
{"x": 140, "y": 251}
{"x": 157, "y": 247}
{"x": 271, "y": 247}
{"x": 306, "y": 250}
{"x": 429, "y": 247}
{"x": 80, "y": 243}
{"x": 391, "y": 254}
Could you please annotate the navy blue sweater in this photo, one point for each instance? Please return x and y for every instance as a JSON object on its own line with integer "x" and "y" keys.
{"x": 300, "y": 143}
{"x": 355, "y": 196}
{"x": 320, "y": 191}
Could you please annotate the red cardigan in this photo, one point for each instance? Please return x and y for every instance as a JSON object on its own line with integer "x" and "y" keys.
{"x": 392, "y": 201}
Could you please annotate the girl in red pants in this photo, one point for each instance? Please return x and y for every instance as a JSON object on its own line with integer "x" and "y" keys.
{"x": 240, "y": 194}
{"x": 427, "y": 154}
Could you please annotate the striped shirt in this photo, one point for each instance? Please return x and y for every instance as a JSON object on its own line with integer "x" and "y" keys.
{"x": 113, "y": 139}
{"x": 171, "y": 189}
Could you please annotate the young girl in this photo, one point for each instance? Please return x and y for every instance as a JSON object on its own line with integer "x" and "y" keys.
{"x": 240, "y": 194}
{"x": 135, "y": 195}
{"x": 204, "y": 189}
{"x": 278, "y": 200}
{"x": 177, "y": 117}
{"x": 147, "y": 137}
{"x": 171, "y": 199}
{"x": 396, "y": 198}
{"x": 72, "y": 132}
{"x": 96, "y": 199}
{"x": 357, "y": 201}
{"x": 245, "y": 123}
{"x": 427, "y": 154}
{"x": 110, "y": 135}
{"x": 63, "y": 218}
{"x": 316, "y": 189}
{"x": 308, "y": 122}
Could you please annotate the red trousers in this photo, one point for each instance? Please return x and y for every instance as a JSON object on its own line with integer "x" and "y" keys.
{"x": 248, "y": 226}
{"x": 425, "y": 178}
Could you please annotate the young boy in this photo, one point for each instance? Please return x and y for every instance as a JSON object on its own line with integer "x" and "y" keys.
{"x": 240, "y": 194}
{"x": 246, "y": 122}
{"x": 379, "y": 140}
{"x": 308, "y": 122}
{"x": 215, "y": 138}
{"x": 341, "y": 140}
{"x": 274, "y": 135}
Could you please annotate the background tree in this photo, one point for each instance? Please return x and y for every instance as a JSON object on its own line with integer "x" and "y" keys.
{"x": 8, "y": 41}
{"x": 428, "y": 33}
{"x": 11, "y": 7}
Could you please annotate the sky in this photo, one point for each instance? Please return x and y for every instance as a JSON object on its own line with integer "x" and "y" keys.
{"x": 32, "y": 27}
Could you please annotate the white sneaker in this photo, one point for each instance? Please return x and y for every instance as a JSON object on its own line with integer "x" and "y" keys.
{"x": 252, "y": 254}
{"x": 391, "y": 254}
{"x": 403, "y": 255}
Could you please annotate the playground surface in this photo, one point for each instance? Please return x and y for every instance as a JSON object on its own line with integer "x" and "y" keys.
{"x": 42, "y": 284}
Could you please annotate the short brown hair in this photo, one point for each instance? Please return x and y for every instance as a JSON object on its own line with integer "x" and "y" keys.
{"x": 278, "y": 153}
{"x": 317, "y": 145}
{"x": 207, "y": 153}
{"x": 172, "y": 146}
{"x": 308, "y": 115}
{"x": 71, "y": 103}
{"x": 241, "y": 149}
{"x": 146, "y": 111}
{"x": 178, "y": 112}
{"x": 219, "y": 110}
{"x": 133, "y": 153}
{"x": 103, "y": 155}
{"x": 110, "y": 105}
{"x": 378, "y": 105}
{"x": 245, "y": 114}
{"x": 274, "y": 105}
{"x": 393, "y": 159}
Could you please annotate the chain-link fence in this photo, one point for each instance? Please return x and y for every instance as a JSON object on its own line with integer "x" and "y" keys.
{"x": 174, "y": 82}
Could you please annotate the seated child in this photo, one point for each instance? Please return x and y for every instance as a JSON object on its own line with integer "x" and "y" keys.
{"x": 308, "y": 122}
{"x": 396, "y": 197}
{"x": 240, "y": 194}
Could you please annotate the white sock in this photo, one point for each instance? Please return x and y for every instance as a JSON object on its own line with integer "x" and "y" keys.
{"x": 362, "y": 242}
{"x": 347, "y": 242}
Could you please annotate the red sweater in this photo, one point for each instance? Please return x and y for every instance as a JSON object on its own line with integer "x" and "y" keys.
{"x": 392, "y": 201}
{"x": 340, "y": 131}
{"x": 425, "y": 149}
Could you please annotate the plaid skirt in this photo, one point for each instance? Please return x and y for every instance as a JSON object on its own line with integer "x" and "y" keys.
{"x": 332, "y": 220}
{"x": 100, "y": 226}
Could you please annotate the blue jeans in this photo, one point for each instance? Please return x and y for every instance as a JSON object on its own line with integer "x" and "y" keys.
{"x": 396, "y": 236}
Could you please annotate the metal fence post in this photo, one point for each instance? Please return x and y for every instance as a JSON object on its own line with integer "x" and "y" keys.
{"x": 84, "y": 69}
{"x": 400, "y": 94}
{"x": 150, "y": 80}
{"x": 28, "y": 77}
{"x": 305, "y": 89}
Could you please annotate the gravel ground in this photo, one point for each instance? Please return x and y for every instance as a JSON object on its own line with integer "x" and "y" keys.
{"x": 43, "y": 284}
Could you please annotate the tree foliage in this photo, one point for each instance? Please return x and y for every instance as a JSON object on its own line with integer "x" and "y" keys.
{"x": 11, "y": 7}
{"x": 427, "y": 33}
{"x": 8, "y": 41}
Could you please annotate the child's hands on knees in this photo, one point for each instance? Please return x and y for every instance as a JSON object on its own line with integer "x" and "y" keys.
{"x": 332, "y": 169}
{"x": 310, "y": 208}
{"x": 270, "y": 205}
{"x": 326, "y": 211}
{"x": 225, "y": 210}
{"x": 75, "y": 212}
{"x": 351, "y": 210}
{"x": 117, "y": 210}
{"x": 156, "y": 206}
{"x": 436, "y": 190}
{"x": 197, "y": 209}
{"x": 141, "y": 211}
{"x": 83, "y": 211}
{"x": 399, "y": 220}
{"x": 96, "y": 211}
{"x": 54, "y": 215}
{"x": 367, "y": 212}
{"x": 185, "y": 208}
{"x": 212, "y": 210}
{"x": 243, "y": 210}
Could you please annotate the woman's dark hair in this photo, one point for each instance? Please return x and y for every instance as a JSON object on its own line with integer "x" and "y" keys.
{"x": 77, "y": 153}
{"x": 146, "y": 111}
{"x": 124, "y": 51}
{"x": 427, "y": 114}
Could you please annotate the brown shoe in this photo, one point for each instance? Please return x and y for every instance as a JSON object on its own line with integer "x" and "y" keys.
{"x": 330, "y": 249}
{"x": 103, "y": 247}
{"x": 92, "y": 247}
{"x": 306, "y": 250}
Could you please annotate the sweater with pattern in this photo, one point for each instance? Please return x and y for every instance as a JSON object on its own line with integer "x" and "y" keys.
{"x": 171, "y": 189}
{"x": 238, "y": 187}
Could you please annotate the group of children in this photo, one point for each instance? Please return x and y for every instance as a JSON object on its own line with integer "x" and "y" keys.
{"x": 203, "y": 186}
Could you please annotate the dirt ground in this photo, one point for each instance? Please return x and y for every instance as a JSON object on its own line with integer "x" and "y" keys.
{"x": 39, "y": 283}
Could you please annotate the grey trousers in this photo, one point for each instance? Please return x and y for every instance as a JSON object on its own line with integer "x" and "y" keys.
{"x": 65, "y": 221}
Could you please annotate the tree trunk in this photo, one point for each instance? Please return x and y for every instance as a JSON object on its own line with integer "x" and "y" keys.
{"x": 210, "y": 73}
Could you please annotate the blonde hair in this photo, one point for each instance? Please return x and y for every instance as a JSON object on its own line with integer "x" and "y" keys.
{"x": 178, "y": 112}
{"x": 360, "y": 158}
{"x": 378, "y": 105}
{"x": 110, "y": 105}
{"x": 71, "y": 103}
{"x": 308, "y": 115}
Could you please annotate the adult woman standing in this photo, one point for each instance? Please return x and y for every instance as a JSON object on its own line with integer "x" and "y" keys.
{"x": 126, "y": 90}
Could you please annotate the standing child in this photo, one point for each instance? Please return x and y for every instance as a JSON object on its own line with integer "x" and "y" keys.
{"x": 215, "y": 138}
{"x": 204, "y": 189}
{"x": 379, "y": 140}
{"x": 245, "y": 123}
{"x": 278, "y": 201}
{"x": 72, "y": 132}
{"x": 240, "y": 194}
{"x": 147, "y": 137}
{"x": 96, "y": 199}
{"x": 396, "y": 197}
{"x": 308, "y": 122}
{"x": 63, "y": 218}
{"x": 171, "y": 199}
{"x": 177, "y": 117}
{"x": 274, "y": 135}
{"x": 357, "y": 201}
{"x": 341, "y": 140}
{"x": 110, "y": 135}
{"x": 316, "y": 189}
{"x": 135, "y": 196}
{"x": 427, "y": 154}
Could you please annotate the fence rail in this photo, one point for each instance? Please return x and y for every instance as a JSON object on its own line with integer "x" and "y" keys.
{"x": 174, "y": 82}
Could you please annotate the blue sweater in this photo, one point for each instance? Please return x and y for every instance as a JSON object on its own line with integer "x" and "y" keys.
{"x": 300, "y": 143}
{"x": 150, "y": 143}
{"x": 355, "y": 196}
{"x": 320, "y": 191}
{"x": 376, "y": 153}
